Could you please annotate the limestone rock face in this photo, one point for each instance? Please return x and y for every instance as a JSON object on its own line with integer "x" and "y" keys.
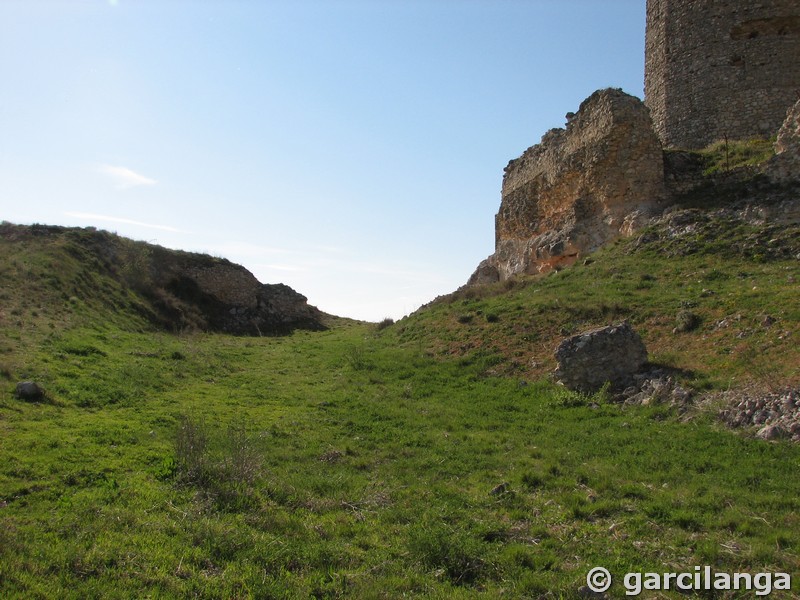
{"x": 610, "y": 354}
{"x": 785, "y": 165}
{"x": 484, "y": 274}
{"x": 596, "y": 180}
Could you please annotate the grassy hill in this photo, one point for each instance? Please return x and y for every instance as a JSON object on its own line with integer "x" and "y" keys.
{"x": 428, "y": 458}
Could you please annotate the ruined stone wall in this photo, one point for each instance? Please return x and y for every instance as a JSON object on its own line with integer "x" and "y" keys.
{"x": 200, "y": 291}
{"x": 227, "y": 282}
{"x": 716, "y": 68}
{"x": 579, "y": 188}
{"x": 785, "y": 165}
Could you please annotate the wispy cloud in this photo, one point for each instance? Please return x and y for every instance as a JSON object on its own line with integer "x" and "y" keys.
{"x": 94, "y": 217}
{"x": 247, "y": 249}
{"x": 288, "y": 268}
{"x": 125, "y": 177}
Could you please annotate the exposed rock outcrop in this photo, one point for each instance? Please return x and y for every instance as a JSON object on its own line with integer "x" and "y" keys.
{"x": 610, "y": 354}
{"x": 596, "y": 180}
{"x": 785, "y": 165}
{"x": 174, "y": 290}
{"x": 227, "y": 297}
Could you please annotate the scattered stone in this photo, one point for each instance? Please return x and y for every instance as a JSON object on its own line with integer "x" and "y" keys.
{"x": 587, "y": 592}
{"x": 656, "y": 388}
{"x": 776, "y": 414}
{"x": 499, "y": 489}
{"x": 610, "y": 354}
{"x": 30, "y": 391}
{"x": 331, "y": 456}
{"x": 771, "y": 432}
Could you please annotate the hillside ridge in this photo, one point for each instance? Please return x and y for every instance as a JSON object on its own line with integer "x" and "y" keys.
{"x": 172, "y": 290}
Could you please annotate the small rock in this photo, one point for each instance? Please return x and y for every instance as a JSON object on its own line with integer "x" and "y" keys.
{"x": 772, "y": 432}
{"x": 499, "y": 489}
{"x": 30, "y": 391}
{"x": 587, "y": 592}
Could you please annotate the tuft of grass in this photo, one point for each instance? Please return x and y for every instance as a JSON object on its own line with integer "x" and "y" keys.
{"x": 356, "y": 357}
{"x": 686, "y": 321}
{"x": 225, "y": 472}
{"x": 726, "y": 155}
{"x": 383, "y": 324}
{"x": 450, "y": 550}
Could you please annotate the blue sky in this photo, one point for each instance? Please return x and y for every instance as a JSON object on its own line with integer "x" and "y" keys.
{"x": 353, "y": 150}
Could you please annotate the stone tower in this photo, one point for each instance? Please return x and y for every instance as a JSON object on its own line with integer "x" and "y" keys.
{"x": 716, "y": 68}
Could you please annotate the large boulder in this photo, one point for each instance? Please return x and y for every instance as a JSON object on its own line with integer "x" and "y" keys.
{"x": 29, "y": 391}
{"x": 610, "y": 354}
{"x": 581, "y": 187}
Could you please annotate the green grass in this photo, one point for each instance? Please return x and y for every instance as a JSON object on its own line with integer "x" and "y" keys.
{"x": 363, "y": 481}
{"x": 699, "y": 301}
{"x": 430, "y": 458}
{"x": 723, "y": 156}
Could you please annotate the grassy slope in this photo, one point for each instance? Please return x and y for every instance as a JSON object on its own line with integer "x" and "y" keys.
{"x": 359, "y": 464}
{"x": 730, "y": 275}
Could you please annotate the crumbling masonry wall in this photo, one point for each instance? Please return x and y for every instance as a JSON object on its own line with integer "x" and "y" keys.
{"x": 717, "y": 68}
{"x": 596, "y": 180}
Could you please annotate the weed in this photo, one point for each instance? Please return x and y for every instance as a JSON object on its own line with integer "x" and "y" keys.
{"x": 449, "y": 548}
{"x": 6, "y": 372}
{"x": 566, "y": 398}
{"x": 356, "y": 357}
{"x": 686, "y": 321}
{"x": 381, "y": 325}
{"x": 192, "y": 452}
{"x": 241, "y": 462}
{"x": 533, "y": 481}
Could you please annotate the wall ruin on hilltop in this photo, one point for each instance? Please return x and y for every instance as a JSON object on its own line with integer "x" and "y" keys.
{"x": 606, "y": 175}
{"x": 717, "y": 68}
{"x": 578, "y": 189}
